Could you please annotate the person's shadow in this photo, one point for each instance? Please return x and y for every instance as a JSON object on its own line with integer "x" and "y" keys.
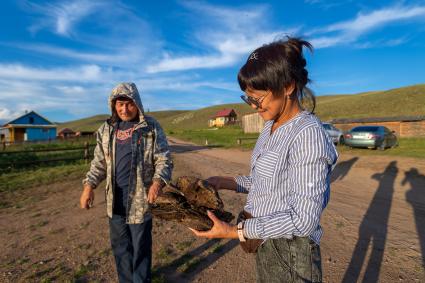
{"x": 342, "y": 168}
{"x": 416, "y": 197}
{"x": 373, "y": 229}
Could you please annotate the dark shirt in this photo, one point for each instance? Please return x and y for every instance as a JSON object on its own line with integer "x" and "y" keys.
{"x": 122, "y": 165}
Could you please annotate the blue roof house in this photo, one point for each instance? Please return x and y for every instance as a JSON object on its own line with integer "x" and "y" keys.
{"x": 28, "y": 127}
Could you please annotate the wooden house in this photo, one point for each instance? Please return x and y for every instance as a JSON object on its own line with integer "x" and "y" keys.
{"x": 223, "y": 117}
{"x": 66, "y": 133}
{"x": 28, "y": 127}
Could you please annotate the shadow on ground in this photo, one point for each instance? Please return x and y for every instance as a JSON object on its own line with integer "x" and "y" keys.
{"x": 373, "y": 229}
{"x": 416, "y": 198}
{"x": 187, "y": 266}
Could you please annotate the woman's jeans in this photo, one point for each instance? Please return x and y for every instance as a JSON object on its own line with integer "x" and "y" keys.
{"x": 132, "y": 248}
{"x": 289, "y": 260}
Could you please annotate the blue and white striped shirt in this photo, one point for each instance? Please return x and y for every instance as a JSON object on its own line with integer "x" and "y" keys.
{"x": 289, "y": 183}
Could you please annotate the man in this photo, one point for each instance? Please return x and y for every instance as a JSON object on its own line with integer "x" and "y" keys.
{"x": 132, "y": 155}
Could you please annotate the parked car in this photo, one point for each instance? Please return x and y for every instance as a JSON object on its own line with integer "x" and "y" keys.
{"x": 336, "y": 134}
{"x": 371, "y": 137}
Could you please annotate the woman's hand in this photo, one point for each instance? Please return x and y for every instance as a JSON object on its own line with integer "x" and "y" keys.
{"x": 220, "y": 229}
{"x": 222, "y": 183}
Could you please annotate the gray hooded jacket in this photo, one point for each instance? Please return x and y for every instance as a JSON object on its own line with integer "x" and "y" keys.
{"x": 150, "y": 157}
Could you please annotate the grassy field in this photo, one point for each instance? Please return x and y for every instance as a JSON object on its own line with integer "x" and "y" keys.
{"x": 192, "y": 125}
{"x": 408, "y": 147}
{"x": 41, "y": 155}
{"x": 222, "y": 137}
{"x": 58, "y": 143}
{"x": 22, "y": 179}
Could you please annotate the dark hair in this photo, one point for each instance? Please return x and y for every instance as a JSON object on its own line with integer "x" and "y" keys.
{"x": 277, "y": 65}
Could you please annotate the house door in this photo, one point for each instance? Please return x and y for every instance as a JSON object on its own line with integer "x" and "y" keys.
{"x": 20, "y": 135}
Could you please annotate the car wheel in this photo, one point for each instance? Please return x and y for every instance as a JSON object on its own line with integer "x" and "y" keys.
{"x": 341, "y": 140}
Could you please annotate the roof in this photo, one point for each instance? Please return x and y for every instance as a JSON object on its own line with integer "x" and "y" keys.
{"x": 224, "y": 113}
{"x": 23, "y": 115}
{"x": 379, "y": 119}
{"x": 66, "y": 130}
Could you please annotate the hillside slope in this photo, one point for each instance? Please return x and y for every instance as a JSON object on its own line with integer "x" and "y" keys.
{"x": 405, "y": 101}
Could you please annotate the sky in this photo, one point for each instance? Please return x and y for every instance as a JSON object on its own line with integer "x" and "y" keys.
{"x": 62, "y": 58}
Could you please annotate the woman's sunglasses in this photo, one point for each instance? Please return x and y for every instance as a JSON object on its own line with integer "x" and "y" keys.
{"x": 254, "y": 101}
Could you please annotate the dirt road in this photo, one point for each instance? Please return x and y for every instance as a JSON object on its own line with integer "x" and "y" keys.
{"x": 374, "y": 227}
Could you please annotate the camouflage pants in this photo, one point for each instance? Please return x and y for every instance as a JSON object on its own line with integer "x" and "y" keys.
{"x": 289, "y": 260}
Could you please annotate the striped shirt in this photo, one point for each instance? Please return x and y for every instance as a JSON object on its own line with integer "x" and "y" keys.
{"x": 289, "y": 183}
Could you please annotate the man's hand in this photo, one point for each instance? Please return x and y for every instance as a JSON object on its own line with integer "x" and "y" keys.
{"x": 220, "y": 229}
{"x": 155, "y": 190}
{"x": 87, "y": 197}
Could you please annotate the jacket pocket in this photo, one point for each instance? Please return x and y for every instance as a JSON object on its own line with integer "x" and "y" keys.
{"x": 265, "y": 165}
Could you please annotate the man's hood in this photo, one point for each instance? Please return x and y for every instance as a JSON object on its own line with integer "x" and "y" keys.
{"x": 130, "y": 91}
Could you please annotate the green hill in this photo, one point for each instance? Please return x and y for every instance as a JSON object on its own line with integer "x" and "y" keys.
{"x": 405, "y": 101}
{"x": 93, "y": 123}
{"x": 86, "y": 124}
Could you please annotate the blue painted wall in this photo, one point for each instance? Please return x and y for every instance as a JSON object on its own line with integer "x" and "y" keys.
{"x": 31, "y": 118}
{"x": 36, "y": 134}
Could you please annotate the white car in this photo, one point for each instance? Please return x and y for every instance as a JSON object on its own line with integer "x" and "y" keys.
{"x": 336, "y": 134}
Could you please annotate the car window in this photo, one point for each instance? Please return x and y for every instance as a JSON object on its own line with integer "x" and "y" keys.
{"x": 366, "y": 129}
{"x": 327, "y": 126}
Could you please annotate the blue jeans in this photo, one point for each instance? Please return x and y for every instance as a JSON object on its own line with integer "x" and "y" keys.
{"x": 289, "y": 260}
{"x": 132, "y": 248}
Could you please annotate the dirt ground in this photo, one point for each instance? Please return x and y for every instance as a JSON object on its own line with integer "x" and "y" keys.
{"x": 374, "y": 227}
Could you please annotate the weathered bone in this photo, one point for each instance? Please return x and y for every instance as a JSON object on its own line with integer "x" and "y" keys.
{"x": 187, "y": 203}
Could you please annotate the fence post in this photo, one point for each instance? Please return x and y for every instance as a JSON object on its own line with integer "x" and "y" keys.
{"x": 86, "y": 152}
{"x": 4, "y": 145}
{"x": 239, "y": 141}
{"x": 206, "y": 141}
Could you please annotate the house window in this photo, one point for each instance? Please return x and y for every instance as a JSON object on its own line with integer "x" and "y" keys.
{"x": 45, "y": 130}
{"x": 31, "y": 120}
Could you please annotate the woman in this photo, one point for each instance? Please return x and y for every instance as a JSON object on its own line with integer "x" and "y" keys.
{"x": 289, "y": 182}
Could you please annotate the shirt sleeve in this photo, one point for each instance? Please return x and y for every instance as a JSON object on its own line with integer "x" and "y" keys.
{"x": 244, "y": 184}
{"x": 310, "y": 161}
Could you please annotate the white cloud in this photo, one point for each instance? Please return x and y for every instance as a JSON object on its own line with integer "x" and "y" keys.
{"x": 71, "y": 90}
{"x": 119, "y": 56}
{"x": 181, "y": 83}
{"x": 7, "y": 115}
{"x": 367, "y": 22}
{"x": 83, "y": 73}
{"x": 62, "y": 17}
{"x": 351, "y": 31}
{"x": 230, "y": 33}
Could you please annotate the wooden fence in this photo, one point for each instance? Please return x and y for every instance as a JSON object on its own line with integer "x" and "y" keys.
{"x": 86, "y": 154}
{"x": 5, "y": 144}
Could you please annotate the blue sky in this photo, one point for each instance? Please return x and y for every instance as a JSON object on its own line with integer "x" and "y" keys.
{"x": 62, "y": 58}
